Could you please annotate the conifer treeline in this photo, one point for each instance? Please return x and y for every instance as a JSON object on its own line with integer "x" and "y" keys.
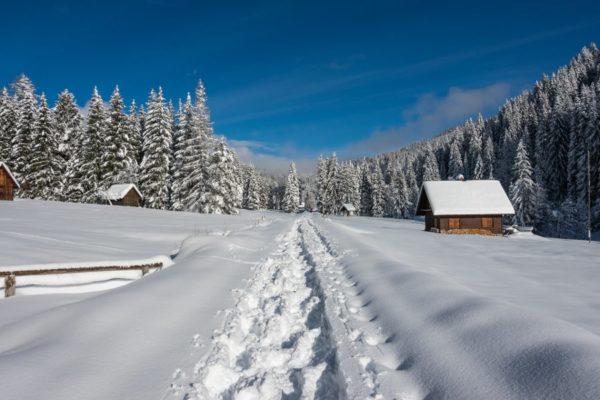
{"x": 536, "y": 145}
{"x": 173, "y": 157}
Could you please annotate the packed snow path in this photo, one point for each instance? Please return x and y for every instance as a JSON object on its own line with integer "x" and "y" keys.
{"x": 286, "y": 339}
{"x": 276, "y": 341}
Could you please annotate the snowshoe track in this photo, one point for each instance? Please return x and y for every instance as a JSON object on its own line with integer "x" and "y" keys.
{"x": 368, "y": 356}
{"x": 303, "y": 328}
{"x": 276, "y": 341}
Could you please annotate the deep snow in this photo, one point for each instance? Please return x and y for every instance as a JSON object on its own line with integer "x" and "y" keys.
{"x": 123, "y": 343}
{"x": 269, "y": 305}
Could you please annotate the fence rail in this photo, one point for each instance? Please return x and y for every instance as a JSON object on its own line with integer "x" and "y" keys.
{"x": 10, "y": 277}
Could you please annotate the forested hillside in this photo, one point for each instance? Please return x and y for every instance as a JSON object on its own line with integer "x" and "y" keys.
{"x": 61, "y": 154}
{"x": 536, "y": 145}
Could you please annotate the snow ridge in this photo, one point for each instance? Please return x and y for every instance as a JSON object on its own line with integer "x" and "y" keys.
{"x": 276, "y": 342}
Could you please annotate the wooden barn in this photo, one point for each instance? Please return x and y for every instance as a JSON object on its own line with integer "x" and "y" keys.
{"x": 464, "y": 206}
{"x": 348, "y": 210}
{"x": 8, "y": 183}
{"x": 126, "y": 194}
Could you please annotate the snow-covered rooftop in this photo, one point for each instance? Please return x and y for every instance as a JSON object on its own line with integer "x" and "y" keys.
{"x": 349, "y": 207}
{"x": 465, "y": 198}
{"x": 117, "y": 192}
{"x": 3, "y": 165}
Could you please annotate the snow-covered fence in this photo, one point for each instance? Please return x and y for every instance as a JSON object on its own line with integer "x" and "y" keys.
{"x": 10, "y": 277}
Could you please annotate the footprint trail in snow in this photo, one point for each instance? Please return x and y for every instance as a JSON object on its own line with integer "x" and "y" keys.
{"x": 276, "y": 341}
{"x": 301, "y": 329}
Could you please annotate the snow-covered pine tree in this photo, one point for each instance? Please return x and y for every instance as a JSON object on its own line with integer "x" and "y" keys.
{"x": 349, "y": 184}
{"x": 396, "y": 195}
{"x": 475, "y": 149}
{"x": 8, "y": 125}
{"x": 252, "y": 194}
{"x": 46, "y": 168}
{"x": 264, "y": 191}
{"x": 523, "y": 189}
{"x": 377, "y": 193}
{"x": 403, "y": 201}
{"x": 113, "y": 161}
{"x": 556, "y": 144}
{"x": 455, "y": 164}
{"x": 90, "y": 172}
{"x": 222, "y": 190}
{"x": 330, "y": 193}
{"x": 135, "y": 136}
{"x": 478, "y": 171}
{"x": 321, "y": 180}
{"x": 413, "y": 190}
{"x": 366, "y": 198}
{"x": 21, "y": 154}
{"x": 430, "y": 170}
{"x": 584, "y": 137}
{"x": 154, "y": 174}
{"x": 291, "y": 197}
{"x": 178, "y": 147}
{"x": 488, "y": 159}
{"x": 391, "y": 195}
{"x": 69, "y": 130}
{"x": 197, "y": 151}
{"x": 22, "y": 87}
{"x": 202, "y": 111}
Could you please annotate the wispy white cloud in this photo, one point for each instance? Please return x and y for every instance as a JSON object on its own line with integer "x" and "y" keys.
{"x": 263, "y": 157}
{"x": 429, "y": 116}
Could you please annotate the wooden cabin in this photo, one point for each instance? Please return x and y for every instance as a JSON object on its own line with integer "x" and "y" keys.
{"x": 464, "y": 206}
{"x": 8, "y": 183}
{"x": 348, "y": 210}
{"x": 126, "y": 194}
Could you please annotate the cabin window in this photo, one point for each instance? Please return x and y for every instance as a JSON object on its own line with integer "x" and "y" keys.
{"x": 487, "y": 222}
{"x": 453, "y": 223}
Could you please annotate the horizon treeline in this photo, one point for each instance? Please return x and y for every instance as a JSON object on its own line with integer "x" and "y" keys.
{"x": 536, "y": 146}
{"x": 172, "y": 155}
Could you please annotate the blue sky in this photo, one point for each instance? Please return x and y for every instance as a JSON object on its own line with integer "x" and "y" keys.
{"x": 289, "y": 80}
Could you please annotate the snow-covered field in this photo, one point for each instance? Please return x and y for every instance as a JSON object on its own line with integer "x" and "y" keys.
{"x": 267, "y": 306}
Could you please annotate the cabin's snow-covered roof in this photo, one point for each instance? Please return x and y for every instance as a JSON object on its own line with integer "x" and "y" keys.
{"x": 349, "y": 207}
{"x": 117, "y": 192}
{"x": 3, "y": 165}
{"x": 466, "y": 197}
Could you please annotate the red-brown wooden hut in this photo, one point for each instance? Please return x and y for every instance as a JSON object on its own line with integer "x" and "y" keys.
{"x": 126, "y": 194}
{"x": 464, "y": 206}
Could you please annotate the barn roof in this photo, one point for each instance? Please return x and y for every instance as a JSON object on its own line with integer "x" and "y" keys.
{"x": 478, "y": 197}
{"x": 5, "y": 167}
{"x": 117, "y": 192}
{"x": 349, "y": 207}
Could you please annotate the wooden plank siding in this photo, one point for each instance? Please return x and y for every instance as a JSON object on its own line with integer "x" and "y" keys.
{"x": 465, "y": 223}
{"x": 7, "y": 186}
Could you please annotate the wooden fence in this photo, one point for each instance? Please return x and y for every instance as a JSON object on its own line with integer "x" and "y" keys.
{"x": 10, "y": 277}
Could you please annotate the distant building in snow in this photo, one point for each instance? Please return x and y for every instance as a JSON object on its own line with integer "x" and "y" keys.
{"x": 348, "y": 210}
{"x": 126, "y": 194}
{"x": 8, "y": 183}
{"x": 464, "y": 206}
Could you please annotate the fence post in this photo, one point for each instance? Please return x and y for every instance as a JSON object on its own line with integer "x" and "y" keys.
{"x": 10, "y": 285}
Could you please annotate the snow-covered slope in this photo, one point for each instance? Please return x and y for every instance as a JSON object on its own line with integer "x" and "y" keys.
{"x": 124, "y": 343}
{"x": 466, "y": 317}
{"x": 270, "y": 306}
